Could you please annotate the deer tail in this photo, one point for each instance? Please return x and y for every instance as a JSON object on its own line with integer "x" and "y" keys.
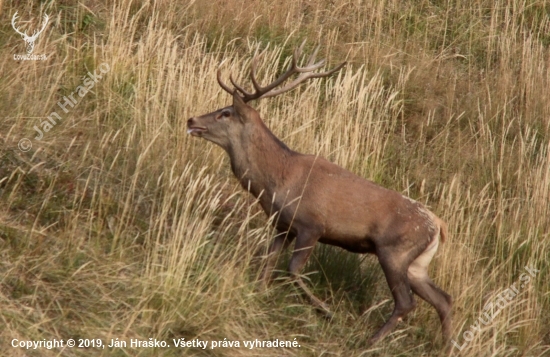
{"x": 442, "y": 228}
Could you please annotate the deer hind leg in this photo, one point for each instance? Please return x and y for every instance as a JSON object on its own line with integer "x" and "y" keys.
{"x": 424, "y": 287}
{"x": 302, "y": 250}
{"x": 280, "y": 243}
{"x": 395, "y": 269}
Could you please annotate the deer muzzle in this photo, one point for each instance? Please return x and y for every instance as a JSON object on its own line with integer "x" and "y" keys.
{"x": 194, "y": 129}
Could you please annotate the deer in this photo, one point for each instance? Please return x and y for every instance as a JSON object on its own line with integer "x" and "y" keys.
{"x": 316, "y": 201}
{"x": 29, "y": 40}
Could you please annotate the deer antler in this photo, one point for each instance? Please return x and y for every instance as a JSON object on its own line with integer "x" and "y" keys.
{"x": 268, "y": 91}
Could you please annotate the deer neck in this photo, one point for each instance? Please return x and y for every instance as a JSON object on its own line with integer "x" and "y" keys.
{"x": 259, "y": 160}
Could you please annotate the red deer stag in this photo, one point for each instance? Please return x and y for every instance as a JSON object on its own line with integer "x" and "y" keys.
{"x": 317, "y": 201}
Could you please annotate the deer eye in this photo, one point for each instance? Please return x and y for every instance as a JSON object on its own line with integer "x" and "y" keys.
{"x": 226, "y": 113}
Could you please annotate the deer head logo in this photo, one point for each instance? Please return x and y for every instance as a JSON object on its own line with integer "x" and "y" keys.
{"x": 29, "y": 40}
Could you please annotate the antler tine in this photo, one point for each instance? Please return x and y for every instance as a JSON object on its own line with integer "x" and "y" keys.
{"x": 311, "y": 65}
{"x": 224, "y": 86}
{"x": 240, "y": 88}
{"x": 311, "y": 59}
{"x": 255, "y": 83}
{"x": 328, "y": 73}
{"x": 298, "y": 52}
{"x": 311, "y": 68}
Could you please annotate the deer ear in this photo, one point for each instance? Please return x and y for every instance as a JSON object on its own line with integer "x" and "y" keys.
{"x": 243, "y": 109}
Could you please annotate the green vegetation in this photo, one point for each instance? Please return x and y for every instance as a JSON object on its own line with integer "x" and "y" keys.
{"x": 119, "y": 225}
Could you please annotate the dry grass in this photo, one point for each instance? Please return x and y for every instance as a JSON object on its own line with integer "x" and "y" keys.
{"x": 119, "y": 225}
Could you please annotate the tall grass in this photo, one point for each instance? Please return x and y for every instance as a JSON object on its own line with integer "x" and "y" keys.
{"x": 119, "y": 225}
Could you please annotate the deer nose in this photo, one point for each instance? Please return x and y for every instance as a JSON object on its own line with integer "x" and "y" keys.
{"x": 190, "y": 121}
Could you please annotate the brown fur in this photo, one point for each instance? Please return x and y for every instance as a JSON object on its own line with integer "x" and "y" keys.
{"x": 315, "y": 200}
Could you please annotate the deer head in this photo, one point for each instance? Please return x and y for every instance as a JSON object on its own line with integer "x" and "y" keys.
{"x": 29, "y": 40}
{"x": 226, "y": 126}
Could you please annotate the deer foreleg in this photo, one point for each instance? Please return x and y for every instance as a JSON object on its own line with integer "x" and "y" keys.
{"x": 302, "y": 250}
{"x": 280, "y": 243}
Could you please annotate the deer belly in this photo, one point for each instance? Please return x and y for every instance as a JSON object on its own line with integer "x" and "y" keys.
{"x": 350, "y": 243}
